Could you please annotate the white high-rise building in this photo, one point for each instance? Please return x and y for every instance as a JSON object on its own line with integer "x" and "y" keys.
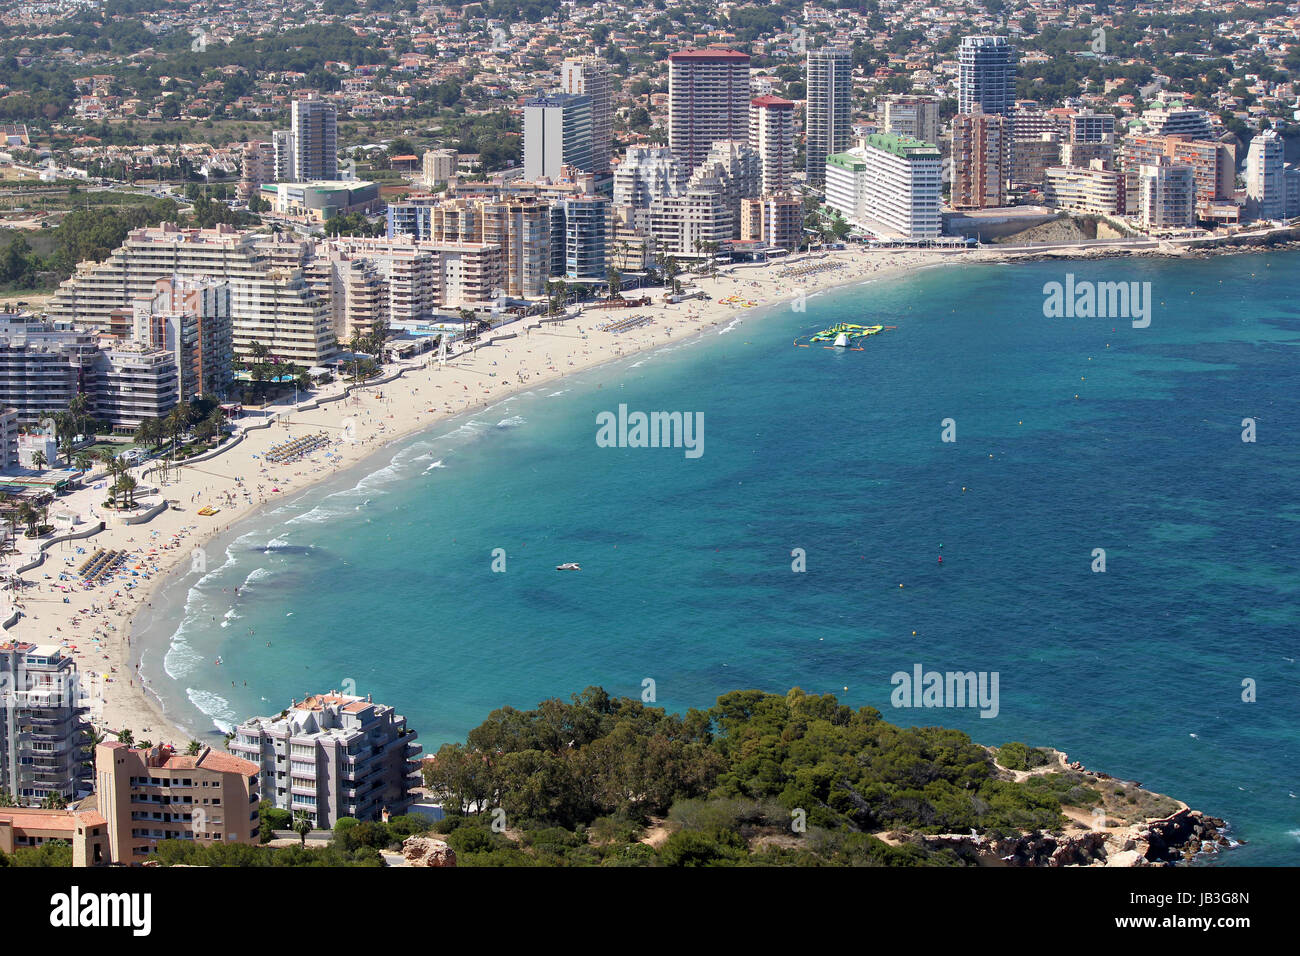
{"x": 1266, "y": 177}
{"x": 557, "y": 133}
{"x": 589, "y": 76}
{"x": 647, "y": 173}
{"x": 43, "y": 728}
{"x": 1166, "y": 195}
{"x": 708, "y": 101}
{"x": 314, "y": 134}
{"x": 828, "y": 116}
{"x": 771, "y": 133}
{"x": 889, "y": 185}
{"x": 987, "y": 75}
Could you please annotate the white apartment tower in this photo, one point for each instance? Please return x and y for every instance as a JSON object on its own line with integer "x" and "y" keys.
{"x": 708, "y": 101}
{"x": 889, "y": 185}
{"x": 1266, "y": 177}
{"x": 771, "y": 133}
{"x": 314, "y": 135}
{"x": 828, "y": 116}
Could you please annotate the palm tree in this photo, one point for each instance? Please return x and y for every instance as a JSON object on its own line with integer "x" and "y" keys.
{"x": 193, "y": 749}
{"x": 38, "y": 459}
{"x": 302, "y": 826}
{"x": 127, "y": 485}
{"x": 126, "y": 737}
{"x": 82, "y": 462}
{"x": 29, "y": 516}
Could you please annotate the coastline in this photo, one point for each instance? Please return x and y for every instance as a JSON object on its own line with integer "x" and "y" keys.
{"x": 119, "y": 698}
{"x": 121, "y": 701}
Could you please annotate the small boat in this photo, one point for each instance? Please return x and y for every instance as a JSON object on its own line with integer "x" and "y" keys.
{"x": 218, "y": 660}
{"x": 571, "y": 566}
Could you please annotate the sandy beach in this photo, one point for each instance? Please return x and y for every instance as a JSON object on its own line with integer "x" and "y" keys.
{"x": 94, "y": 623}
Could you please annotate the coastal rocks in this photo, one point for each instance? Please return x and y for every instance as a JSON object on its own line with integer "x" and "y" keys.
{"x": 1180, "y": 836}
{"x": 423, "y": 851}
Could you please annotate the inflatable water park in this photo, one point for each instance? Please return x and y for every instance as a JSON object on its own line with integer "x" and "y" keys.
{"x": 843, "y": 336}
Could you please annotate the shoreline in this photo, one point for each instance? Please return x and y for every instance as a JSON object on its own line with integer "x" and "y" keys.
{"x": 126, "y": 702}
{"x": 119, "y": 697}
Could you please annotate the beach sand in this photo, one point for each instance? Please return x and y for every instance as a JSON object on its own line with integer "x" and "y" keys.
{"x": 96, "y": 622}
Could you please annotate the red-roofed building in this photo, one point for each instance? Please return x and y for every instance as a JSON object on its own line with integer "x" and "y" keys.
{"x": 85, "y": 830}
{"x": 157, "y": 794}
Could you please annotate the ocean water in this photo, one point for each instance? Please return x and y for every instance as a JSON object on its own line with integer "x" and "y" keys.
{"x": 1072, "y": 435}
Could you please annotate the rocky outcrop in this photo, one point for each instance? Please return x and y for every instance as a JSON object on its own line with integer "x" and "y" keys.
{"x": 423, "y": 851}
{"x": 1163, "y": 842}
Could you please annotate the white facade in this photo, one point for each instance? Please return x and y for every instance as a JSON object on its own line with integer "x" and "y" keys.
{"x": 1266, "y": 177}
{"x": 771, "y": 133}
{"x": 889, "y": 185}
{"x": 1166, "y": 196}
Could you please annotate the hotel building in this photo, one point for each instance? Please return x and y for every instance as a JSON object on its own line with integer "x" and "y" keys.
{"x": 890, "y": 186}
{"x": 557, "y": 133}
{"x": 190, "y": 319}
{"x": 333, "y": 756}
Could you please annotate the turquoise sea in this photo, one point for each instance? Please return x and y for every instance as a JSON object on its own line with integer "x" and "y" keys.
{"x": 1072, "y": 435}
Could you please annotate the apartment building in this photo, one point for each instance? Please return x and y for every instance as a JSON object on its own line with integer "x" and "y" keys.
{"x": 191, "y": 319}
{"x": 890, "y": 186}
{"x": 916, "y": 117}
{"x": 135, "y": 382}
{"x": 313, "y": 141}
{"x": 586, "y": 225}
{"x": 257, "y": 167}
{"x": 590, "y": 76}
{"x": 44, "y": 734}
{"x": 771, "y": 134}
{"x": 978, "y": 153}
{"x": 269, "y": 304}
{"x": 688, "y": 226}
{"x": 1166, "y": 195}
{"x": 333, "y": 756}
{"x": 438, "y": 166}
{"x": 1173, "y": 120}
{"x": 646, "y": 174}
{"x": 1094, "y": 190}
{"x": 1265, "y": 177}
{"x": 1089, "y": 127}
{"x": 158, "y": 794}
{"x": 1213, "y": 166}
{"x": 828, "y": 112}
{"x": 557, "y": 133}
{"x": 43, "y": 365}
{"x": 986, "y": 75}
{"x": 519, "y": 227}
{"x": 733, "y": 168}
{"x": 1028, "y": 158}
{"x": 775, "y": 220}
{"x": 708, "y": 101}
